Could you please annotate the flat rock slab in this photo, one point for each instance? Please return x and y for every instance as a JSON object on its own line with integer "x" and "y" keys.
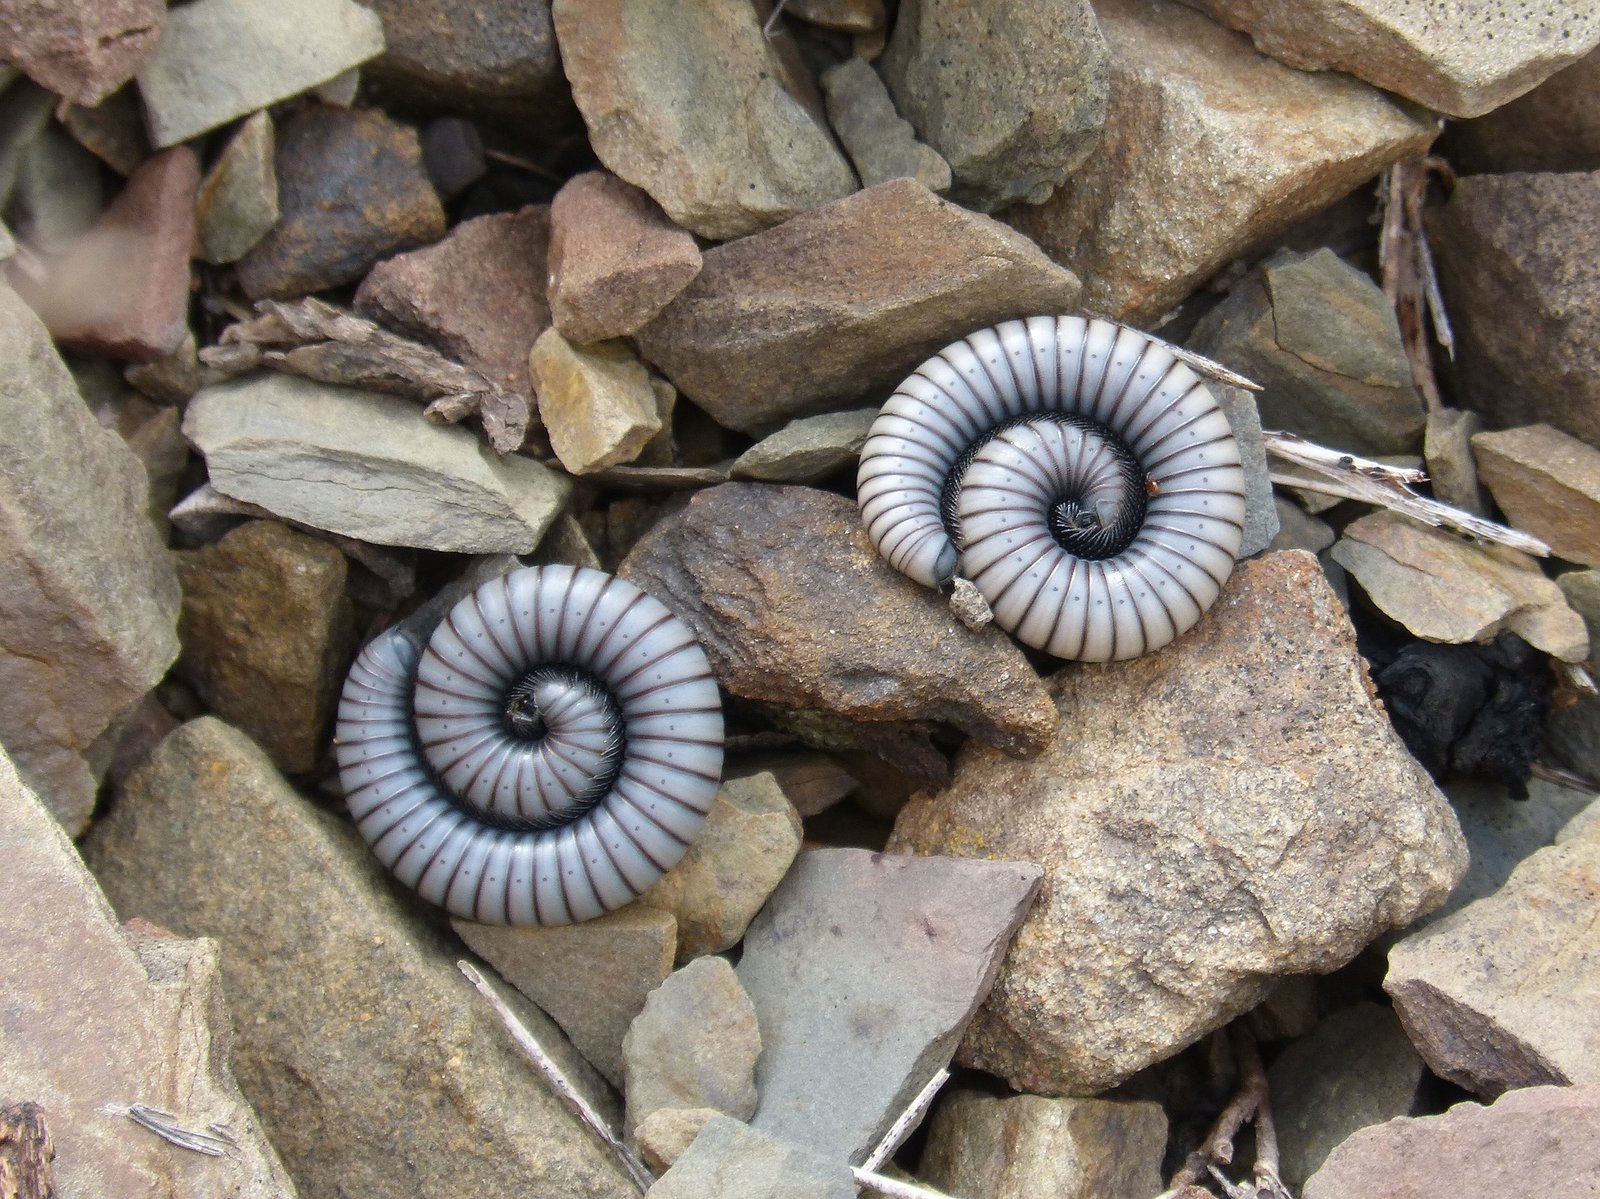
{"x": 842, "y": 303}
{"x": 368, "y": 466}
{"x": 1505, "y": 993}
{"x": 89, "y": 599}
{"x": 1211, "y": 817}
{"x": 82, "y": 52}
{"x": 1211, "y": 151}
{"x": 864, "y": 969}
{"x": 793, "y": 606}
{"x": 1546, "y": 483}
{"x": 730, "y": 1161}
{"x": 375, "y": 1067}
{"x": 96, "y": 1019}
{"x": 807, "y": 449}
{"x": 686, "y": 102}
{"x": 222, "y": 59}
{"x": 1463, "y": 60}
{"x": 1538, "y": 1141}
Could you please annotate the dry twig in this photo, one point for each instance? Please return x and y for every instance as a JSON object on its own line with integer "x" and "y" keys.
{"x": 216, "y": 1143}
{"x": 909, "y": 1119}
{"x": 1252, "y": 1104}
{"x": 27, "y": 1154}
{"x": 1409, "y": 279}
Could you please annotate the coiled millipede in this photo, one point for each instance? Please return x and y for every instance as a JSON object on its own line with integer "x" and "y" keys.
{"x": 1076, "y": 471}
{"x": 548, "y": 754}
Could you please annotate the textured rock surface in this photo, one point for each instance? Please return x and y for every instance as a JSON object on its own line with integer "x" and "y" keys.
{"x": 665, "y": 1133}
{"x": 221, "y": 59}
{"x": 1505, "y": 993}
{"x": 1260, "y": 513}
{"x": 988, "y": 1147}
{"x": 880, "y": 143}
{"x": 82, "y": 52}
{"x": 729, "y": 1159}
{"x": 368, "y": 466}
{"x": 794, "y": 607}
{"x": 596, "y": 401}
{"x": 267, "y": 633}
{"x": 1555, "y": 127}
{"x": 864, "y": 968}
{"x": 497, "y": 57}
{"x": 725, "y": 151}
{"x": 1546, "y": 483}
{"x": 844, "y": 302}
{"x": 238, "y": 202}
{"x": 1210, "y": 151}
{"x": 1211, "y": 817}
{"x": 374, "y": 1066}
{"x": 813, "y": 782}
{"x": 1515, "y": 255}
{"x": 1444, "y": 588}
{"x": 1447, "y": 455}
{"x": 1539, "y": 1141}
{"x": 1459, "y": 59}
{"x": 89, "y": 599}
{"x": 807, "y": 449}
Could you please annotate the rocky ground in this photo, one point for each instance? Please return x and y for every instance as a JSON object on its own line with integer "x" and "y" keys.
{"x": 312, "y": 310}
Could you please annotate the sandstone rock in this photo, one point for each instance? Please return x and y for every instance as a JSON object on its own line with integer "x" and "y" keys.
{"x": 1299, "y": 530}
{"x": 222, "y": 59}
{"x": 1505, "y": 993}
{"x": 239, "y": 197}
{"x": 596, "y": 401}
{"x": 267, "y": 634}
{"x": 351, "y": 190}
{"x": 807, "y": 449}
{"x": 665, "y": 1133}
{"x": 728, "y": 1159}
{"x": 1210, "y": 152}
{"x": 1538, "y": 1141}
{"x": 1447, "y": 453}
{"x": 1555, "y": 127}
{"x": 1546, "y": 483}
{"x": 725, "y": 151}
{"x": 89, "y": 601}
{"x": 1444, "y": 588}
{"x": 988, "y": 1147}
{"x": 864, "y": 968}
{"x": 1514, "y": 254}
{"x": 881, "y": 145}
{"x": 81, "y": 52}
{"x": 372, "y": 1062}
{"x": 1212, "y": 817}
{"x": 842, "y": 303}
{"x": 97, "y": 1018}
{"x": 813, "y": 782}
{"x": 171, "y": 379}
{"x": 615, "y": 258}
{"x": 1464, "y": 61}
{"x": 368, "y": 466}
{"x": 112, "y": 130}
{"x": 794, "y": 607}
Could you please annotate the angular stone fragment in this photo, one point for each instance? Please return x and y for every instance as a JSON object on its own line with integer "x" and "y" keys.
{"x": 880, "y": 144}
{"x": 665, "y": 1133}
{"x": 452, "y": 150}
{"x": 89, "y": 599}
{"x": 171, "y": 379}
{"x": 1210, "y": 152}
{"x": 113, "y": 130}
{"x": 1244, "y": 418}
{"x": 725, "y": 150}
{"x": 842, "y": 303}
{"x": 267, "y": 633}
{"x": 351, "y": 190}
{"x": 1444, "y": 588}
{"x": 98, "y": 1017}
{"x": 83, "y": 52}
{"x": 596, "y": 401}
{"x": 1505, "y": 993}
{"x": 1546, "y": 483}
{"x": 1463, "y": 59}
{"x": 1447, "y": 454}
{"x": 221, "y": 59}
{"x": 729, "y": 1159}
{"x": 1212, "y": 817}
{"x": 1538, "y": 1141}
{"x": 807, "y": 449}
{"x": 615, "y": 258}
{"x": 1515, "y": 255}
{"x": 794, "y": 607}
{"x": 813, "y": 782}
{"x": 1299, "y": 530}
{"x": 370, "y": 1059}
{"x": 239, "y": 197}
{"x": 368, "y": 466}
{"x": 1555, "y": 127}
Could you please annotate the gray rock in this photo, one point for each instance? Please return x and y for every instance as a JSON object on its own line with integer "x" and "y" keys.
{"x": 1356, "y": 1068}
{"x": 1547, "y": 483}
{"x": 1015, "y": 120}
{"x": 1299, "y": 530}
{"x": 371, "y": 1060}
{"x": 807, "y": 449}
{"x": 222, "y": 59}
{"x": 1573, "y": 733}
{"x": 842, "y": 303}
{"x": 730, "y": 1161}
{"x": 1211, "y": 152}
{"x": 881, "y": 145}
{"x": 596, "y": 401}
{"x": 452, "y": 150}
{"x": 1213, "y": 817}
{"x": 1505, "y": 993}
{"x": 169, "y": 380}
{"x": 89, "y": 601}
{"x": 1260, "y": 516}
{"x": 239, "y": 196}
{"x": 725, "y": 151}
{"x": 1582, "y": 589}
{"x": 1021, "y": 1146}
{"x": 1447, "y": 451}
{"x": 368, "y": 466}
{"x": 57, "y": 195}
{"x": 694, "y": 1045}
{"x": 864, "y": 969}
{"x": 113, "y": 130}
{"x": 1555, "y": 127}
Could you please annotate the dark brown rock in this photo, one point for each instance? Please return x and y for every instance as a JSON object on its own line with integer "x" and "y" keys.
{"x": 351, "y": 190}
{"x": 82, "y": 51}
{"x": 452, "y": 150}
{"x": 1555, "y": 127}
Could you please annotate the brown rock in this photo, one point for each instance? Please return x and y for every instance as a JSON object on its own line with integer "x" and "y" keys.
{"x": 123, "y": 288}
{"x": 1447, "y": 453}
{"x": 267, "y": 633}
{"x": 596, "y": 401}
{"x": 615, "y": 258}
{"x": 1211, "y": 151}
{"x": 1211, "y": 817}
{"x": 1555, "y": 127}
{"x": 352, "y": 190}
{"x": 847, "y": 16}
{"x": 813, "y": 782}
{"x": 81, "y": 51}
{"x": 1546, "y": 483}
{"x": 239, "y": 198}
{"x": 844, "y": 302}
{"x": 794, "y": 607}
{"x": 665, "y": 1133}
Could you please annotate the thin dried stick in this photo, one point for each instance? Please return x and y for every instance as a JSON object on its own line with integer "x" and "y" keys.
{"x": 909, "y": 1119}
{"x": 165, "y": 1125}
{"x": 897, "y": 1187}
{"x": 1216, "y": 370}
{"x": 1267, "y": 1181}
{"x": 1252, "y": 1103}
{"x": 1409, "y": 279}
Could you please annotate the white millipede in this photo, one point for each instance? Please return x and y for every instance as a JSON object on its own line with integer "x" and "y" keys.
{"x": 1078, "y": 473}
{"x": 548, "y": 754}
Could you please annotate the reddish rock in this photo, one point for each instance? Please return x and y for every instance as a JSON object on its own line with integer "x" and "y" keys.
{"x": 80, "y": 49}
